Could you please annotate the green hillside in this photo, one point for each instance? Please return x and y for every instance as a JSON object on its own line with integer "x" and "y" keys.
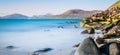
{"x": 115, "y": 4}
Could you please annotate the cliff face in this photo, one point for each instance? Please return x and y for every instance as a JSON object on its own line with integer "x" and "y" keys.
{"x": 111, "y": 15}
{"x": 77, "y": 13}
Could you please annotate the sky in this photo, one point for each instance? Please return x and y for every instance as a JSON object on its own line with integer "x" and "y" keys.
{"x": 42, "y": 7}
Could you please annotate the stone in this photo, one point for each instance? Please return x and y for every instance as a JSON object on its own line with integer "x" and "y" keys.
{"x": 76, "y": 46}
{"x": 107, "y": 28}
{"x": 100, "y": 41}
{"x": 84, "y": 32}
{"x": 88, "y": 47}
{"x": 114, "y": 49}
{"x": 101, "y": 36}
{"x": 104, "y": 49}
{"x": 91, "y": 31}
{"x": 88, "y": 31}
{"x": 10, "y": 47}
{"x": 44, "y": 50}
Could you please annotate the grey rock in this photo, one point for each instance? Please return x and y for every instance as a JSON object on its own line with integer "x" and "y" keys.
{"x": 88, "y": 47}
{"x": 44, "y": 50}
{"x": 88, "y": 31}
{"x": 10, "y": 47}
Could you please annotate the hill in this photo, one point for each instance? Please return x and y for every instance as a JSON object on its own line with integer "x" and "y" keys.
{"x": 15, "y": 16}
{"x": 115, "y": 4}
{"x": 77, "y": 13}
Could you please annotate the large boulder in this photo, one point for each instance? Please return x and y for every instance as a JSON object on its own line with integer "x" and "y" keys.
{"x": 88, "y": 47}
{"x": 88, "y": 31}
{"x": 114, "y": 49}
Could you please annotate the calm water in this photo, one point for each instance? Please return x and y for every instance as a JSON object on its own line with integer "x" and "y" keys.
{"x": 31, "y": 35}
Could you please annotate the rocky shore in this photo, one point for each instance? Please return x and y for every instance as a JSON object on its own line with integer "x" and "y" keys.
{"x": 107, "y": 43}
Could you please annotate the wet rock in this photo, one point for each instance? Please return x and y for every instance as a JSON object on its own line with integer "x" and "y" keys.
{"x": 10, "y": 47}
{"x": 114, "y": 49}
{"x": 44, "y": 50}
{"x": 61, "y": 27}
{"x": 84, "y": 32}
{"x": 41, "y": 51}
{"x": 77, "y": 45}
{"x": 75, "y": 26}
{"x": 88, "y": 31}
{"x": 88, "y": 47}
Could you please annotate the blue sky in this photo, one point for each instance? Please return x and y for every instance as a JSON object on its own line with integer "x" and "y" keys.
{"x": 41, "y": 7}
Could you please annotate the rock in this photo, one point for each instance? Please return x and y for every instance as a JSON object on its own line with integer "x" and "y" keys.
{"x": 61, "y": 27}
{"x": 88, "y": 47}
{"x": 114, "y": 31}
{"x": 100, "y": 41}
{"x": 44, "y": 50}
{"x": 107, "y": 36}
{"x": 107, "y": 28}
{"x": 91, "y": 31}
{"x": 104, "y": 49}
{"x": 77, "y": 45}
{"x": 88, "y": 31}
{"x": 41, "y": 51}
{"x": 75, "y": 26}
{"x": 10, "y": 47}
{"x": 114, "y": 49}
{"x": 84, "y": 32}
{"x": 101, "y": 36}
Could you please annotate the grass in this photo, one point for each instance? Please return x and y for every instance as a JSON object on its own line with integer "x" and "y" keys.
{"x": 115, "y": 4}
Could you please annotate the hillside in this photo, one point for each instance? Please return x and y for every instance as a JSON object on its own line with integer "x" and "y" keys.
{"x": 77, "y": 13}
{"x": 115, "y": 4}
{"x": 111, "y": 15}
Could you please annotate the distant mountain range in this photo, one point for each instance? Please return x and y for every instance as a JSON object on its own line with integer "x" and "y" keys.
{"x": 15, "y": 16}
{"x": 77, "y": 13}
{"x": 70, "y": 13}
{"x": 41, "y": 16}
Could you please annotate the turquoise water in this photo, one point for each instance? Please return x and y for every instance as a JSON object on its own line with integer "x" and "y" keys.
{"x": 29, "y": 35}
{"x": 28, "y": 24}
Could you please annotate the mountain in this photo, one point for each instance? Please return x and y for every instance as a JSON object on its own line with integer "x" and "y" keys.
{"x": 77, "y": 13}
{"x": 110, "y": 15}
{"x": 41, "y": 16}
{"x": 15, "y": 16}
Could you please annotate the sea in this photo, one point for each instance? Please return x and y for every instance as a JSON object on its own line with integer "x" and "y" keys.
{"x": 29, "y": 35}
